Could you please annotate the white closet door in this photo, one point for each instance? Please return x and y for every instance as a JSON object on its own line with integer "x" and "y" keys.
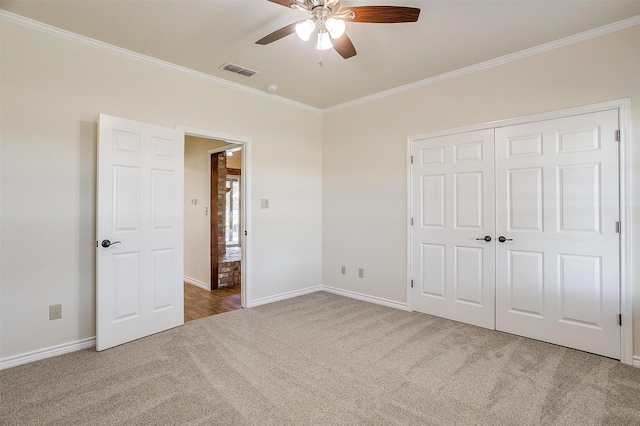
{"x": 557, "y": 275}
{"x": 453, "y": 210}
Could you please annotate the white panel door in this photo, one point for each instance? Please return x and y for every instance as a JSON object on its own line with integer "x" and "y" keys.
{"x": 453, "y": 211}
{"x": 139, "y": 254}
{"x": 557, "y": 273}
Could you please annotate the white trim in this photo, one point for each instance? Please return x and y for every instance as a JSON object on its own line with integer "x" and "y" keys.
{"x": 195, "y": 282}
{"x": 626, "y": 249}
{"x": 68, "y": 35}
{"x": 366, "y": 298}
{"x": 576, "y": 38}
{"x": 636, "y": 361}
{"x": 409, "y": 226}
{"x": 49, "y": 352}
{"x": 245, "y": 190}
{"x": 626, "y": 279}
{"x": 284, "y": 296}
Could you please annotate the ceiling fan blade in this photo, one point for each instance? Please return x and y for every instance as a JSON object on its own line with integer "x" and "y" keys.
{"x": 285, "y": 3}
{"x": 344, "y": 46}
{"x": 278, "y": 34}
{"x": 383, "y": 14}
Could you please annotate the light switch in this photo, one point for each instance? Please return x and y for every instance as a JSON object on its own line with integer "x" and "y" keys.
{"x": 264, "y": 203}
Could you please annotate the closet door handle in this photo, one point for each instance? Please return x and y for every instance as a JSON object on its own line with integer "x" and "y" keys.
{"x": 503, "y": 239}
{"x": 486, "y": 238}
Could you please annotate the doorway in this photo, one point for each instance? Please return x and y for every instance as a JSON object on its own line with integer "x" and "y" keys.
{"x": 213, "y": 205}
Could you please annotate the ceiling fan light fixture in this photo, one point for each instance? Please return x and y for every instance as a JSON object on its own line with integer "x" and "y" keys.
{"x": 324, "y": 41}
{"x": 305, "y": 28}
{"x": 335, "y": 27}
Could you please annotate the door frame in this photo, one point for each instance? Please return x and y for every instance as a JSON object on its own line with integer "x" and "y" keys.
{"x": 245, "y": 195}
{"x": 624, "y": 151}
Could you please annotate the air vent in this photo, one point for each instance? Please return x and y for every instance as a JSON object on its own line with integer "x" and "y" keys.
{"x": 237, "y": 69}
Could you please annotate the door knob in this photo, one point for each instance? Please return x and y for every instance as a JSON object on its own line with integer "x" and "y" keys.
{"x": 503, "y": 239}
{"x": 486, "y": 238}
{"x": 107, "y": 243}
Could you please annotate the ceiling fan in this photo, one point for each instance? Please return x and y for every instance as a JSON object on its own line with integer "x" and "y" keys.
{"x": 328, "y": 22}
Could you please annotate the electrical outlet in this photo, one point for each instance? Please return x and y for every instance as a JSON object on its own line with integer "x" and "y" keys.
{"x": 55, "y": 312}
{"x": 360, "y": 272}
{"x": 343, "y": 270}
{"x": 264, "y": 203}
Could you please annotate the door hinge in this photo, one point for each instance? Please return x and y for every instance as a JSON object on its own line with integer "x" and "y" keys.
{"x": 620, "y": 320}
{"x": 617, "y": 135}
{"x": 412, "y": 159}
{"x": 618, "y": 227}
{"x": 411, "y": 283}
{"x": 411, "y": 221}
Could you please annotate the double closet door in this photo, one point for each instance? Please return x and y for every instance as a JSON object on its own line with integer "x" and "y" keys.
{"x": 515, "y": 229}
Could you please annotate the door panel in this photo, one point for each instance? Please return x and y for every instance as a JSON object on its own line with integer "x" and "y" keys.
{"x": 557, "y": 278}
{"x": 453, "y": 271}
{"x": 139, "y": 208}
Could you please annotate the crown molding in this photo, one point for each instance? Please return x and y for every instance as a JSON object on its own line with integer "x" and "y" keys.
{"x": 68, "y": 35}
{"x": 577, "y": 38}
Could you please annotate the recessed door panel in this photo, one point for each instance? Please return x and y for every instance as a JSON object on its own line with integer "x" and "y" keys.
{"x": 163, "y": 288}
{"x": 162, "y": 187}
{"x": 524, "y": 146}
{"x": 162, "y": 148}
{"x": 578, "y": 139}
{"x": 580, "y": 285}
{"x": 468, "y": 198}
{"x": 127, "y": 143}
{"x": 468, "y": 151}
{"x": 579, "y": 197}
{"x": 433, "y": 270}
{"x": 525, "y": 199}
{"x": 126, "y": 198}
{"x": 469, "y": 276}
{"x": 126, "y": 285}
{"x": 431, "y": 156}
{"x": 433, "y": 201}
{"x": 525, "y": 284}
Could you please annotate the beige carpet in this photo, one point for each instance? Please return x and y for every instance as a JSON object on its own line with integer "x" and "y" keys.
{"x": 322, "y": 359}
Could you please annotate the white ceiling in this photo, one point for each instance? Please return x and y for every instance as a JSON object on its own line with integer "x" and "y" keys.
{"x": 203, "y": 35}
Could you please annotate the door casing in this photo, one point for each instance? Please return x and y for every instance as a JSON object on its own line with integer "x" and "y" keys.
{"x": 626, "y": 291}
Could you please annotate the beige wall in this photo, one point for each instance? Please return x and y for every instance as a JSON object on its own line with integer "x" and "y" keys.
{"x": 52, "y": 92}
{"x": 196, "y": 222}
{"x": 364, "y": 215}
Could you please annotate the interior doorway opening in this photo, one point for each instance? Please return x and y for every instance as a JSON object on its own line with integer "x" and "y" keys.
{"x": 213, "y": 243}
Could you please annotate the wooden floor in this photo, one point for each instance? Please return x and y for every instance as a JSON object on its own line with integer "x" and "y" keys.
{"x": 200, "y": 303}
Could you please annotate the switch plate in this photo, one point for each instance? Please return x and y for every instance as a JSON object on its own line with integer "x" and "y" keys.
{"x": 360, "y": 272}
{"x": 343, "y": 270}
{"x": 264, "y": 203}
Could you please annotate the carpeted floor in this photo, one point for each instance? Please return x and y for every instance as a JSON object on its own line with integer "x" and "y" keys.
{"x": 322, "y": 359}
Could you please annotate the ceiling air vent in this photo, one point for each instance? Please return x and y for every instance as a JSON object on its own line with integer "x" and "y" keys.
{"x": 237, "y": 69}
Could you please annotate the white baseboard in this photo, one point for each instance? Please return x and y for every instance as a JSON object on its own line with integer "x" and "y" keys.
{"x": 636, "y": 361}
{"x": 366, "y": 298}
{"x": 197, "y": 283}
{"x": 49, "y": 352}
{"x": 283, "y": 296}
